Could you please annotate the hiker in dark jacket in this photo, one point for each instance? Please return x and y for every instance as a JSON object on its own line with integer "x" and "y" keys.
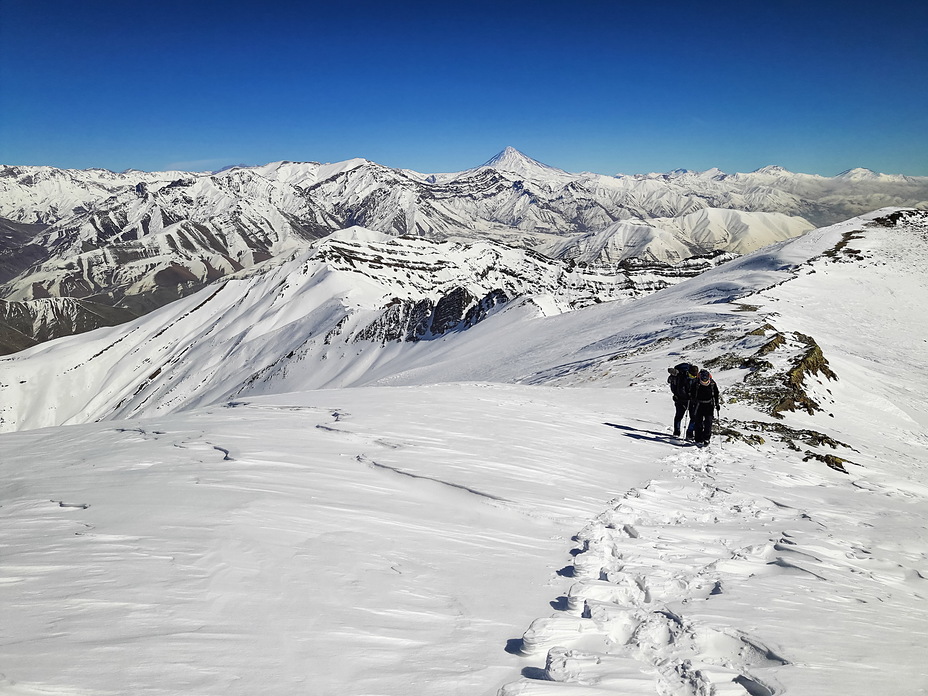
{"x": 704, "y": 396}
{"x": 681, "y": 380}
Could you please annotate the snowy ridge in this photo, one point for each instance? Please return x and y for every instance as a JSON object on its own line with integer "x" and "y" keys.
{"x": 657, "y": 580}
{"x": 321, "y": 316}
{"x": 672, "y": 240}
{"x": 33, "y": 194}
{"x": 502, "y": 508}
{"x": 352, "y": 311}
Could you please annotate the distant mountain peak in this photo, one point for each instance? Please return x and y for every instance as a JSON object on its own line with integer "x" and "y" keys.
{"x": 714, "y": 173}
{"x": 772, "y": 169}
{"x": 512, "y": 160}
{"x": 858, "y": 173}
{"x": 230, "y": 167}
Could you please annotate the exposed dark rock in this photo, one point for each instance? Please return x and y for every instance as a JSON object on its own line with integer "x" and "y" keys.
{"x": 842, "y": 252}
{"x": 902, "y": 216}
{"x": 406, "y": 320}
{"x": 23, "y": 324}
{"x": 833, "y": 462}
{"x": 754, "y": 432}
{"x": 777, "y": 391}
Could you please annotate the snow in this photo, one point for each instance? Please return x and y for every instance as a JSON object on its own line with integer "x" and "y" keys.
{"x": 347, "y": 542}
{"x": 674, "y": 239}
{"x": 515, "y": 162}
{"x": 499, "y": 510}
{"x": 136, "y": 235}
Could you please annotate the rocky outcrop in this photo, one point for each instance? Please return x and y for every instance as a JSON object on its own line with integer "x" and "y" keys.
{"x": 24, "y": 324}
{"x": 417, "y": 320}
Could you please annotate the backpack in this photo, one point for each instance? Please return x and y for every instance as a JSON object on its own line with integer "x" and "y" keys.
{"x": 679, "y": 380}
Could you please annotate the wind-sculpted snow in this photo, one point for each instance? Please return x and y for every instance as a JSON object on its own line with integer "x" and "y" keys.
{"x": 715, "y": 578}
{"x": 638, "y": 567}
{"x": 502, "y": 509}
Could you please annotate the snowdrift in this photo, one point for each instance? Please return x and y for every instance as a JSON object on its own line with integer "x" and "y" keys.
{"x": 495, "y": 509}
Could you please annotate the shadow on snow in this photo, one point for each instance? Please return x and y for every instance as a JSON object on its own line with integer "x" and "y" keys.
{"x": 649, "y": 435}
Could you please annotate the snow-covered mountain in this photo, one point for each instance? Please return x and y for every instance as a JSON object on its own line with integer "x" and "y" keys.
{"x": 496, "y": 505}
{"x": 24, "y": 324}
{"x": 669, "y": 241}
{"x": 514, "y": 162}
{"x": 359, "y": 302}
{"x": 138, "y": 240}
{"x": 356, "y": 296}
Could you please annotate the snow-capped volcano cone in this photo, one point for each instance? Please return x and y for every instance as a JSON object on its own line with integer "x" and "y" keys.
{"x": 511, "y": 160}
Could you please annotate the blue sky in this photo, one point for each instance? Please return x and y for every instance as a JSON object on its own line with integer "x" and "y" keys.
{"x": 814, "y": 86}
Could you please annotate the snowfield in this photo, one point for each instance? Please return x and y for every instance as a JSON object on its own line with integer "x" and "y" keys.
{"x": 499, "y": 509}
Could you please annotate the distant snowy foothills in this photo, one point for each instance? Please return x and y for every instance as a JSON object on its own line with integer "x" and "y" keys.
{"x": 351, "y": 431}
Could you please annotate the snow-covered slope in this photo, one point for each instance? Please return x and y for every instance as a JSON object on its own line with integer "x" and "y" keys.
{"x": 532, "y": 529}
{"x": 35, "y": 194}
{"x": 332, "y": 316}
{"x": 514, "y": 162}
{"x": 322, "y": 316}
{"x": 820, "y": 199}
{"x": 671, "y": 240}
{"x": 353, "y": 309}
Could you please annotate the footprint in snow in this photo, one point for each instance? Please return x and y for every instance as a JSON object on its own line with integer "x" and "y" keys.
{"x": 80, "y": 506}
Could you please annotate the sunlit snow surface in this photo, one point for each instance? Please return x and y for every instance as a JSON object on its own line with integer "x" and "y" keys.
{"x": 536, "y": 531}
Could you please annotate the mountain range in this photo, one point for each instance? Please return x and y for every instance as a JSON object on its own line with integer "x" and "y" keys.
{"x": 87, "y": 248}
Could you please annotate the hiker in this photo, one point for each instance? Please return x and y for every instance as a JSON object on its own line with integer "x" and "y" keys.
{"x": 704, "y": 396}
{"x": 681, "y": 380}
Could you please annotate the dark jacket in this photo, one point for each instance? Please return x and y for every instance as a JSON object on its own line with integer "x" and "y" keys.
{"x": 705, "y": 394}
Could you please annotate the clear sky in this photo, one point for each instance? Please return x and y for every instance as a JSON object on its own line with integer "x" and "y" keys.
{"x": 608, "y": 86}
